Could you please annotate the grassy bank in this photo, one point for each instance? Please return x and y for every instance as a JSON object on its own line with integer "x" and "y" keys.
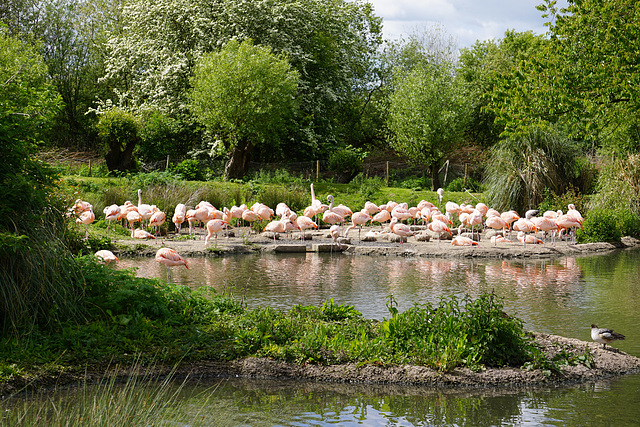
{"x": 134, "y": 320}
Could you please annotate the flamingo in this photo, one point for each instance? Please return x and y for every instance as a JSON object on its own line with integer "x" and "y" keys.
{"x": 144, "y": 209}
{"x": 132, "y": 218}
{"x": 440, "y": 193}
{"x": 170, "y": 258}
{"x": 278, "y": 226}
{"x": 475, "y": 218}
{"x": 528, "y": 239}
{"x": 110, "y": 213}
{"x": 330, "y": 216}
{"x": 524, "y": 225}
{"x": 382, "y": 216}
{"x": 463, "y": 241}
{"x": 86, "y": 218}
{"x": 138, "y": 233}
{"x": 156, "y": 220}
{"x": 438, "y": 227}
{"x": 179, "y": 215}
{"x": 545, "y": 225}
{"x": 496, "y": 223}
{"x": 305, "y": 223}
{"x": 358, "y": 219}
{"x": 499, "y": 239}
{"x": 250, "y": 216}
{"x": 106, "y": 257}
{"x": 565, "y": 222}
{"x": 214, "y": 226}
{"x": 400, "y": 229}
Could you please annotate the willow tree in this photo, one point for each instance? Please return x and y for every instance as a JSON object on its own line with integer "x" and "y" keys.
{"x": 427, "y": 116}
{"x": 244, "y": 93}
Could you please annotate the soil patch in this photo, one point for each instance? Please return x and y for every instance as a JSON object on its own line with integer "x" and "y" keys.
{"x": 384, "y": 243}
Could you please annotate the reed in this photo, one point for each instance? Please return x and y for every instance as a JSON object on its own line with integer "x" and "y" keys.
{"x": 135, "y": 396}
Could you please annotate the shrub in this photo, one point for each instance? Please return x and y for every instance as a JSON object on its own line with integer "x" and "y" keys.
{"x": 189, "y": 170}
{"x": 628, "y": 222}
{"x": 346, "y": 163}
{"x": 600, "y": 226}
{"x": 460, "y": 184}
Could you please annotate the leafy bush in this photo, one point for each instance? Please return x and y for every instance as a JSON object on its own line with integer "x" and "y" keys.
{"x": 346, "y": 163}
{"x": 554, "y": 202}
{"x": 600, "y": 226}
{"x": 189, "y": 170}
{"x": 459, "y": 185}
{"x": 520, "y": 170}
{"x": 629, "y": 222}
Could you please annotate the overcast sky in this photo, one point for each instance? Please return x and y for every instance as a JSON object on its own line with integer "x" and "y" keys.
{"x": 466, "y": 20}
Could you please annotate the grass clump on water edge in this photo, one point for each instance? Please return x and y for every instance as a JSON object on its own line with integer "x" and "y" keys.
{"x": 135, "y": 396}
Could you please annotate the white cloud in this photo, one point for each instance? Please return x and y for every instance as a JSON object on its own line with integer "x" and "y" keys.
{"x": 467, "y": 20}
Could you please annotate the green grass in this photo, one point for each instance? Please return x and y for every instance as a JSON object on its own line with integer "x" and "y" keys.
{"x": 135, "y": 320}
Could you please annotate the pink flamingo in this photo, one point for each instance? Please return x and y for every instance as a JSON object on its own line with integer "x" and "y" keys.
{"x": 170, "y": 258}
{"x": 463, "y": 241}
{"x": 528, "y": 239}
{"x": 278, "y": 226}
{"x": 156, "y": 220}
{"x": 438, "y": 227}
{"x": 110, "y": 213}
{"x": 381, "y": 217}
{"x": 305, "y": 223}
{"x": 106, "y": 257}
{"x": 86, "y": 218}
{"x": 400, "y": 229}
{"x": 179, "y": 216}
{"x": 132, "y": 218}
{"x": 358, "y": 219}
{"x": 496, "y": 223}
{"x": 214, "y": 226}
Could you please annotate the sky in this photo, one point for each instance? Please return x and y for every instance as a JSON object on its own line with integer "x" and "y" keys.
{"x": 466, "y": 20}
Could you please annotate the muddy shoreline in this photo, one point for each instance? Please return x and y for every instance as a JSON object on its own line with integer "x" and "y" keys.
{"x": 605, "y": 363}
{"x": 241, "y": 241}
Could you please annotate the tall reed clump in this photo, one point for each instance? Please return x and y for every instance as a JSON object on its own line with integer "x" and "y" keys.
{"x": 521, "y": 169}
{"x": 143, "y": 399}
{"x": 40, "y": 282}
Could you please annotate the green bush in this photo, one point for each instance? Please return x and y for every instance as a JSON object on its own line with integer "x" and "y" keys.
{"x": 460, "y": 184}
{"x": 189, "y": 170}
{"x": 600, "y": 226}
{"x": 346, "y": 163}
{"x": 629, "y": 222}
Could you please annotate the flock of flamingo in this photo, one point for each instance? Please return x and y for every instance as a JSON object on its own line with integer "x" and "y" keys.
{"x": 438, "y": 223}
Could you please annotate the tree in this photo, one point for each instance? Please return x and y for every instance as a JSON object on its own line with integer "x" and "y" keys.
{"x": 427, "y": 116}
{"x": 330, "y": 43}
{"x": 480, "y": 66}
{"x": 118, "y": 130}
{"x": 246, "y": 93}
{"x": 27, "y": 101}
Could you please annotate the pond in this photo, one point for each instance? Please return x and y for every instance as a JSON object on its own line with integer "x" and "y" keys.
{"x": 560, "y": 296}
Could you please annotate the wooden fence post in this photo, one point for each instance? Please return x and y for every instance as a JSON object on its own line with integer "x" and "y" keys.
{"x": 317, "y": 170}
{"x": 387, "y": 173}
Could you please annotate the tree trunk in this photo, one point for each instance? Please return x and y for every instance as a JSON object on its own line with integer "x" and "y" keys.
{"x": 238, "y": 163}
{"x": 118, "y": 159}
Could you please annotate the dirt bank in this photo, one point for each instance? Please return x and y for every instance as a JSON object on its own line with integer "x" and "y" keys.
{"x": 604, "y": 363}
{"x": 240, "y": 240}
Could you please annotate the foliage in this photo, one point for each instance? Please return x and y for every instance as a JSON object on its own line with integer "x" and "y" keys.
{"x": 460, "y": 184}
{"x": 144, "y": 396}
{"x": 628, "y": 222}
{"x": 246, "y": 93}
{"x": 329, "y": 43}
{"x": 619, "y": 184}
{"x": 162, "y": 136}
{"x": 600, "y": 226}
{"x": 560, "y": 202}
{"x": 481, "y": 66}
{"x": 188, "y": 170}
{"x": 119, "y": 132}
{"x": 346, "y": 162}
{"x": 521, "y": 169}
{"x": 426, "y": 116}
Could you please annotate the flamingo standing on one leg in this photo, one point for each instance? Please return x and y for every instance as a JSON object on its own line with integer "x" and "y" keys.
{"x": 179, "y": 216}
{"x": 86, "y": 218}
{"x": 156, "y": 220}
{"x": 170, "y": 258}
{"x": 438, "y": 227}
{"x": 305, "y": 223}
